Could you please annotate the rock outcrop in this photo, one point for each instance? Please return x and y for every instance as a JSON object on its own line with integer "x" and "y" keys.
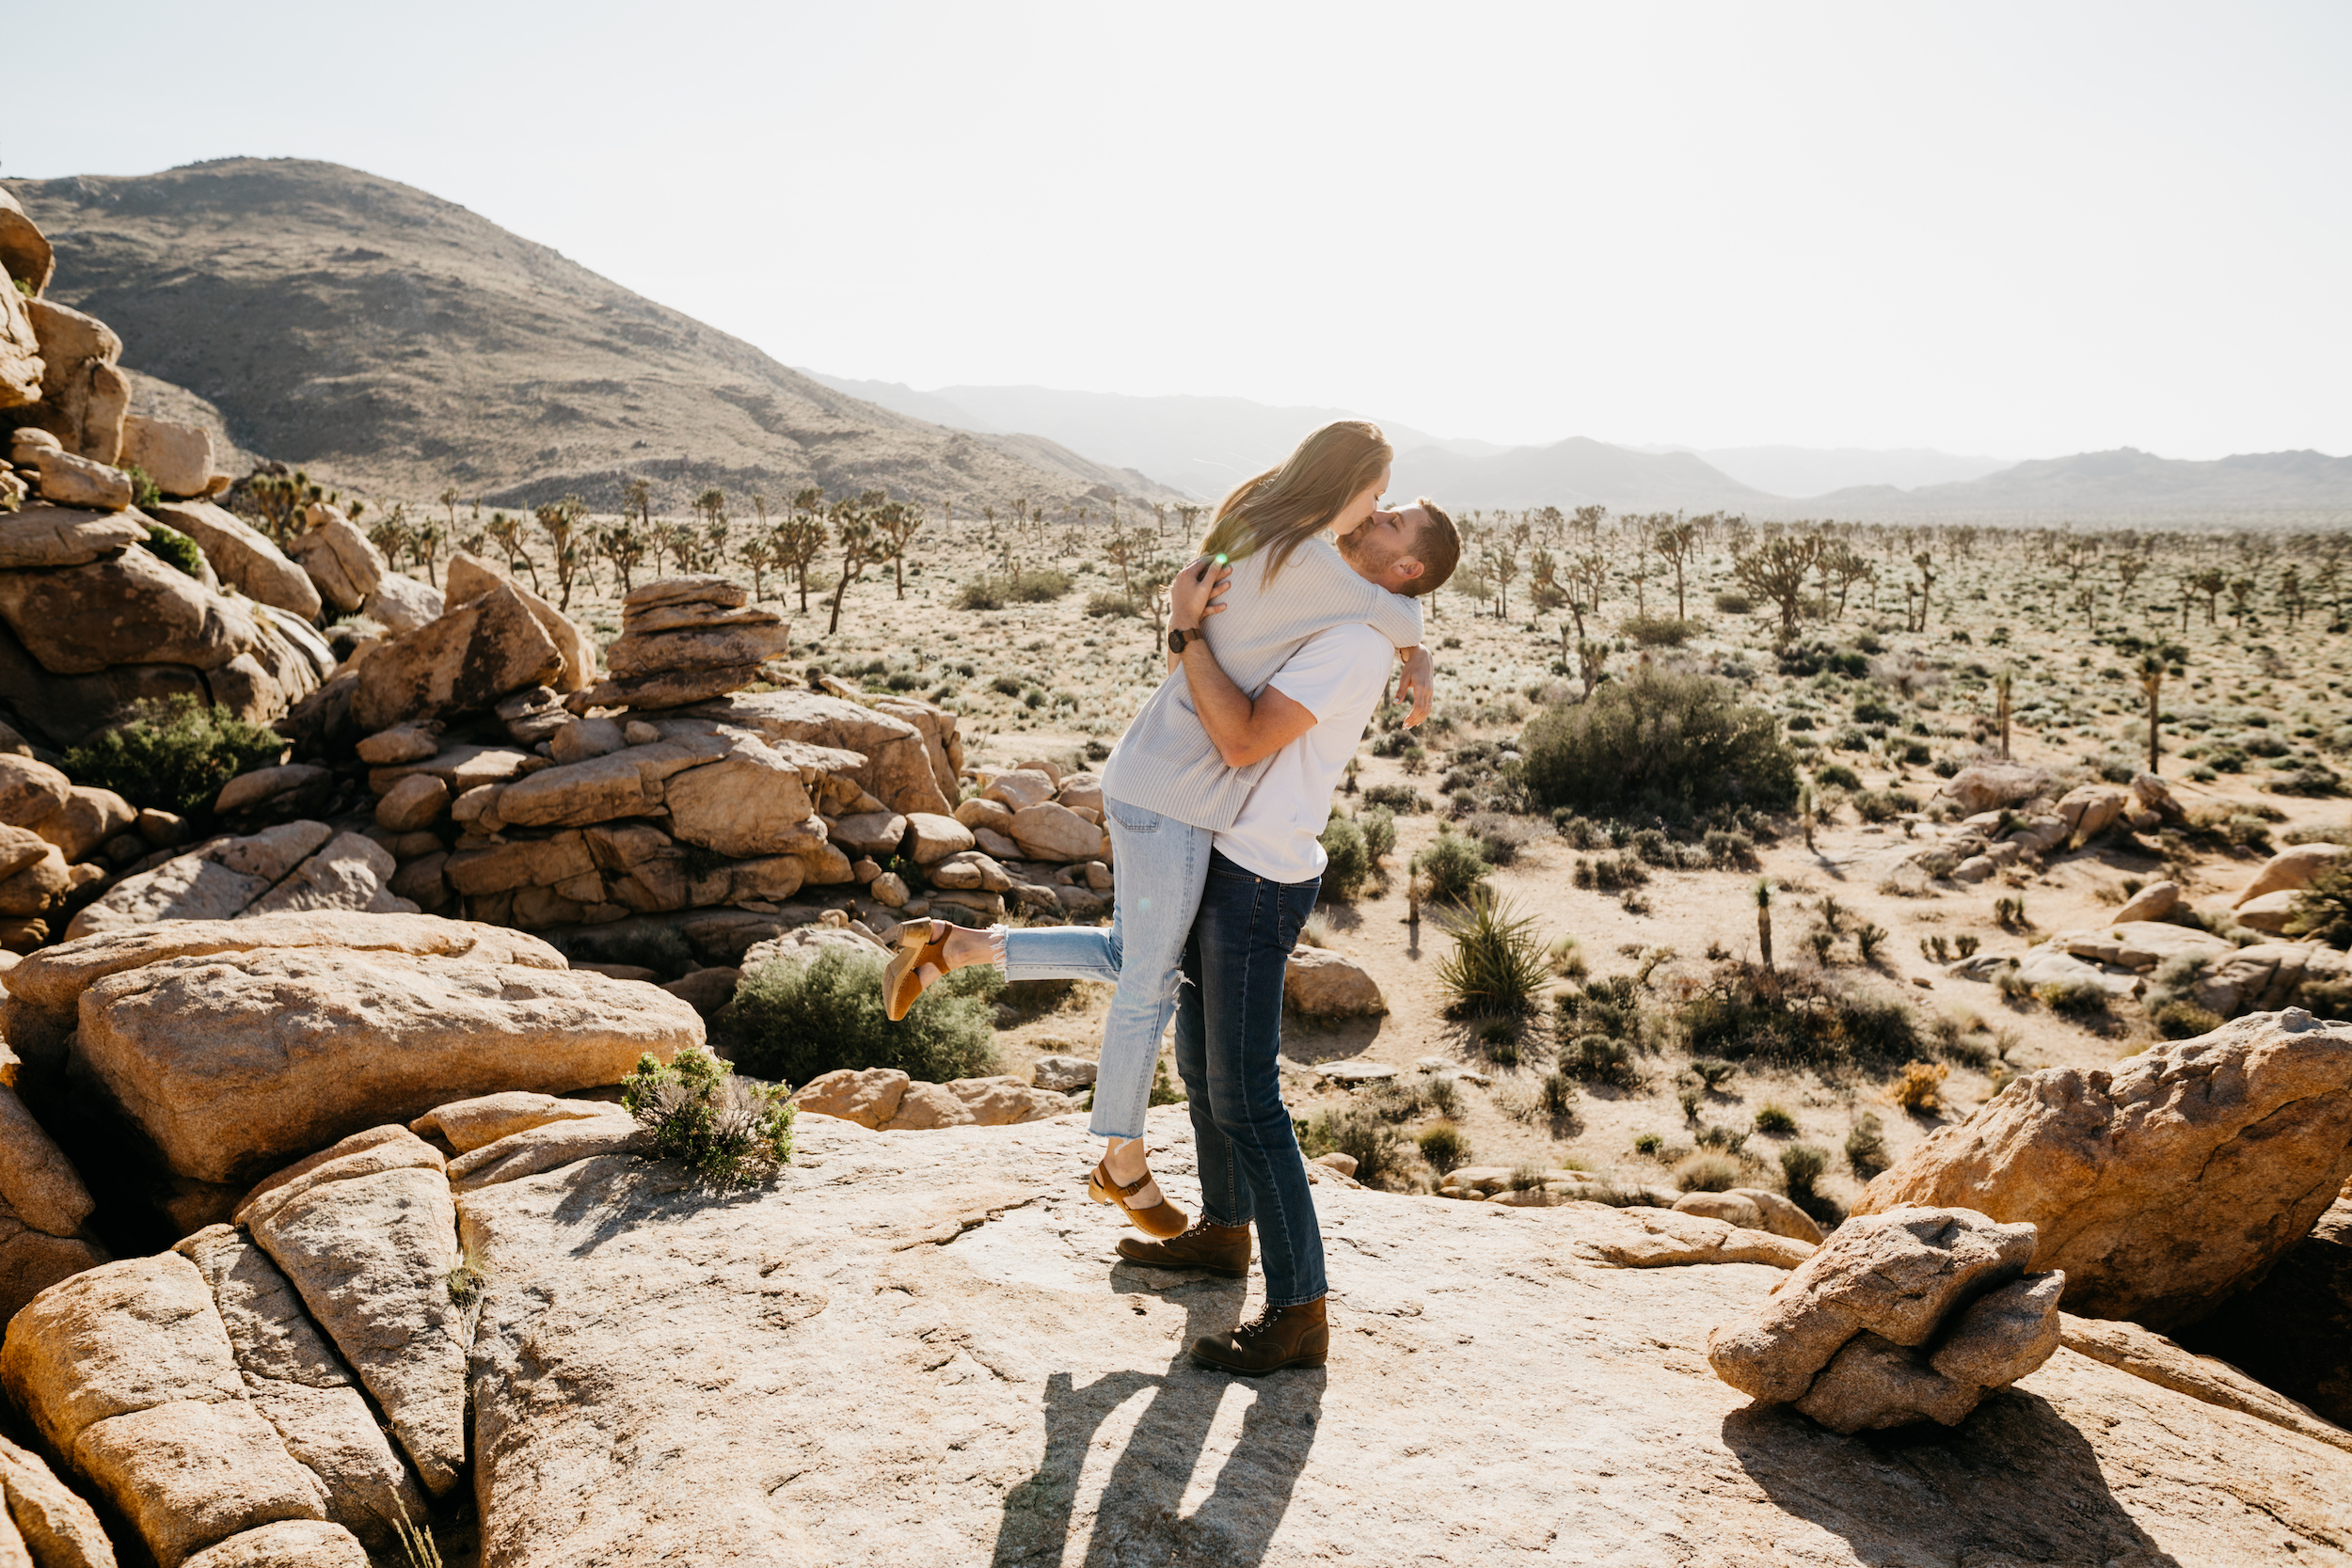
{"x": 686, "y": 640}
{"x": 228, "y": 1061}
{"x": 289, "y": 869}
{"x": 886, "y": 1099}
{"x": 2293, "y": 1330}
{"x": 2162, "y": 1187}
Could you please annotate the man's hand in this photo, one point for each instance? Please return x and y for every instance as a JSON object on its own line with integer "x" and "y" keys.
{"x": 1416, "y": 682}
{"x": 1192, "y": 597}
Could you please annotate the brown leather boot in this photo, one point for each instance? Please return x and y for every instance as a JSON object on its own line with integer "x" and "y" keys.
{"x": 1280, "y": 1337}
{"x": 1215, "y": 1248}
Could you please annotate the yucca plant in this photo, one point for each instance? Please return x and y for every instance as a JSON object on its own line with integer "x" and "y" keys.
{"x": 1497, "y": 967}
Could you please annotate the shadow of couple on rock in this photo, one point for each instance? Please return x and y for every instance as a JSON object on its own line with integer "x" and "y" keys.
{"x": 1139, "y": 1500}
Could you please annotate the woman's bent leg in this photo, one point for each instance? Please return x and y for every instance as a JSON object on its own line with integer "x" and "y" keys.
{"x": 1244, "y": 935}
{"x": 1161, "y": 863}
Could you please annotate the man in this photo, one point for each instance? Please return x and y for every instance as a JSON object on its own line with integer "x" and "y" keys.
{"x": 1264, "y": 871}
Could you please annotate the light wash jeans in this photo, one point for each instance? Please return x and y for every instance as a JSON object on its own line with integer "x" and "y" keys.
{"x": 1161, "y": 865}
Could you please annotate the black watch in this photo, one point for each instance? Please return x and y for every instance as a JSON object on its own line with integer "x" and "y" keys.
{"x": 1178, "y": 638}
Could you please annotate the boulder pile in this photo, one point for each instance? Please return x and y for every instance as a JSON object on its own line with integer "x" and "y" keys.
{"x": 686, "y": 640}
{"x": 2011, "y": 820}
{"x": 1912, "y": 1315}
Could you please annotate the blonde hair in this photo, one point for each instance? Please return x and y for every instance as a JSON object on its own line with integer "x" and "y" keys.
{"x": 1286, "y": 505}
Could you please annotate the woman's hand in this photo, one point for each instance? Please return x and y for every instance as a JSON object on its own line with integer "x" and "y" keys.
{"x": 1416, "y": 681}
{"x": 1192, "y": 597}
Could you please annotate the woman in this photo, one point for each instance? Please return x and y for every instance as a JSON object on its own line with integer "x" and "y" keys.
{"x": 1168, "y": 791}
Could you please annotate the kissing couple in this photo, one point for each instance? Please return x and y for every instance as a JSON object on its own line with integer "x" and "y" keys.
{"x": 1279, "y": 650}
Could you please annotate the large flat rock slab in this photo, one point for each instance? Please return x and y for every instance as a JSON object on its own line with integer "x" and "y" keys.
{"x": 917, "y": 1347}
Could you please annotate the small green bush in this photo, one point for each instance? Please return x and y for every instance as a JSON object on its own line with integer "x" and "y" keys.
{"x": 1841, "y": 775}
{"x": 1865, "y": 1147}
{"x": 1373, "y": 1144}
{"x": 2079, "y": 998}
{"x": 1713, "y": 1071}
{"x": 1807, "y": 1018}
{"x": 1453, "y": 864}
{"x": 2323, "y": 909}
{"x": 1706, "y": 1173}
{"x": 144, "y": 493}
{"x": 1378, "y": 826}
{"x": 1800, "y": 1165}
{"x": 170, "y": 544}
{"x": 1661, "y": 742}
{"x": 728, "y": 1132}
{"x": 1733, "y": 603}
{"x": 2185, "y": 1021}
{"x": 793, "y": 1020}
{"x": 175, "y": 754}
{"x": 1556, "y": 1094}
{"x": 1774, "y": 1121}
{"x": 1444, "y": 1147}
{"x": 980, "y": 594}
{"x": 1649, "y": 1144}
{"x": 1496, "y": 966}
{"x": 1397, "y": 799}
{"x": 1598, "y": 1059}
{"x": 1610, "y": 873}
{"x": 1660, "y": 631}
{"x": 1111, "y": 604}
{"x": 1347, "y": 862}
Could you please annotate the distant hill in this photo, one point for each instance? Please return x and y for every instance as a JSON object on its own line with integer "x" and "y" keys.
{"x": 1574, "y": 472}
{"x": 1202, "y": 445}
{"x": 1801, "y": 471}
{"x": 2307, "y": 488}
{"x": 398, "y": 343}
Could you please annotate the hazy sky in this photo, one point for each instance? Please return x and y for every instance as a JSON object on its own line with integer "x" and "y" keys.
{"x": 2021, "y": 230}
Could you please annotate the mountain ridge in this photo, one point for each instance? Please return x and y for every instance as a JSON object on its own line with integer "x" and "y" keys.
{"x": 389, "y": 340}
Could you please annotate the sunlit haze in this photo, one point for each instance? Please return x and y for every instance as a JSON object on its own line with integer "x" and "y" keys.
{"x": 2004, "y": 229}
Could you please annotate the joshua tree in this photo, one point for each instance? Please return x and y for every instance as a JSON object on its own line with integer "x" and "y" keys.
{"x": 637, "y": 496}
{"x": 2241, "y": 598}
{"x": 798, "y": 539}
{"x": 559, "y": 521}
{"x": 711, "y": 506}
{"x": 2290, "y": 594}
{"x": 1591, "y": 662}
{"x": 1843, "y": 567}
{"x": 758, "y": 554}
{"x": 1123, "y": 550}
{"x": 1776, "y": 570}
{"x": 2128, "y": 570}
{"x": 1503, "y": 561}
{"x": 448, "y": 499}
{"x": 507, "y": 535}
{"x": 1675, "y": 541}
{"x": 896, "y": 524}
{"x": 623, "y": 546}
{"x": 2001, "y": 684}
{"x": 1543, "y": 581}
{"x": 2151, "y": 685}
{"x": 2209, "y": 582}
{"x": 860, "y": 544}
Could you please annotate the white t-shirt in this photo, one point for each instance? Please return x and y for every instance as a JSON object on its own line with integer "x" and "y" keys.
{"x": 1338, "y": 676}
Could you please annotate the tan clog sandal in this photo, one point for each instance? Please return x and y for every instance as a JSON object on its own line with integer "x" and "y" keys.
{"x": 1160, "y": 1222}
{"x": 902, "y": 980}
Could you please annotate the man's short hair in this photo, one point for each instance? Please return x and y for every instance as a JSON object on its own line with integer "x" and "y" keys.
{"x": 1437, "y": 547}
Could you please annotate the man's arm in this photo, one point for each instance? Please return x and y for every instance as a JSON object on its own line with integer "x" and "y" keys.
{"x": 1243, "y": 730}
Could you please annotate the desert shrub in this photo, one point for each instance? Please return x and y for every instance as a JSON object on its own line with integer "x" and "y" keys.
{"x": 1659, "y": 631}
{"x": 1649, "y": 1144}
{"x": 175, "y": 754}
{"x": 1397, "y": 799}
{"x": 729, "y": 1133}
{"x": 1566, "y": 956}
{"x": 1597, "y": 1059}
{"x": 1876, "y": 805}
{"x": 1006, "y": 685}
{"x": 1375, "y": 1146}
{"x": 2323, "y": 909}
{"x": 794, "y": 1020}
{"x": 1729, "y": 849}
{"x": 2079, "y": 998}
{"x": 1732, "y": 603}
{"x": 1111, "y": 604}
{"x": 1713, "y": 1071}
{"x": 1444, "y": 1147}
{"x": 1868, "y": 939}
{"x": 1556, "y": 1094}
{"x": 1453, "y": 864}
{"x": 1037, "y": 585}
{"x": 1347, "y": 864}
{"x": 1839, "y": 774}
{"x": 1706, "y": 1173}
{"x": 1659, "y": 742}
{"x": 170, "y": 544}
{"x": 147, "y": 496}
{"x": 2185, "y": 1021}
{"x": 1800, "y": 1165}
{"x": 1500, "y": 836}
{"x": 1809, "y": 1018}
{"x": 980, "y": 594}
{"x": 1378, "y": 826}
{"x": 1610, "y": 873}
{"x": 1865, "y": 1147}
{"x": 1774, "y": 1121}
{"x": 1921, "y": 1086}
{"x": 2309, "y": 778}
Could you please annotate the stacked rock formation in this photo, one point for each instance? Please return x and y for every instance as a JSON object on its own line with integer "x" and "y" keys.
{"x": 686, "y": 640}
{"x": 1913, "y": 1314}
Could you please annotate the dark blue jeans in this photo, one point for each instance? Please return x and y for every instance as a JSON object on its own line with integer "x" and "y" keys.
{"x": 1229, "y": 1033}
